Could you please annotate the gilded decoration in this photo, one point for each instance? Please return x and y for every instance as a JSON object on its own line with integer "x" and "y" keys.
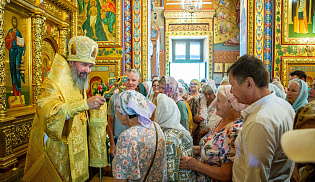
{"x": 21, "y": 134}
{"x": 259, "y": 29}
{"x": 250, "y": 23}
{"x": 115, "y": 62}
{"x": 191, "y": 22}
{"x": 180, "y": 14}
{"x": 64, "y": 30}
{"x": 2, "y": 62}
{"x": 144, "y": 41}
{"x": 282, "y": 48}
{"x": 53, "y": 9}
{"x": 8, "y": 141}
{"x": 16, "y": 123}
{"x": 290, "y": 64}
{"x": 187, "y": 27}
{"x": 286, "y": 15}
{"x": 37, "y": 24}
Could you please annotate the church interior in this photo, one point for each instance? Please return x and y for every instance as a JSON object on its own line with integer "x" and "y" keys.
{"x": 141, "y": 35}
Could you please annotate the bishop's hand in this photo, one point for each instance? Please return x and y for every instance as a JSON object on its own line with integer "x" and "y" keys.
{"x": 95, "y": 102}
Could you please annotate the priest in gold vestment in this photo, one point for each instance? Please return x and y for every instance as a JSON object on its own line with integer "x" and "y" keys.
{"x": 58, "y": 147}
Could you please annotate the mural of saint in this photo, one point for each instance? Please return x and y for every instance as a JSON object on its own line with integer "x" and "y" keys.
{"x": 303, "y": 14}
{"x": 14, "y": 42}
{"x": 223, "y": 29}
{"x": 100, "y": 19}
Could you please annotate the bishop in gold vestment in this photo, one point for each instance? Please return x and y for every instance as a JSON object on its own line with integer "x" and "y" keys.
{"x": 61, "y": 115}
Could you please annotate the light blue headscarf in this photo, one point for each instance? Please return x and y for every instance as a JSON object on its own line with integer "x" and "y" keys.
{"x": 301, "y": 100}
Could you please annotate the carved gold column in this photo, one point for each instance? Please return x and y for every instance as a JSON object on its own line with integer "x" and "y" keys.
{"x": 2, "y": 63}
{"x": 63, "y": 40}
{"x": 37, "y": 26}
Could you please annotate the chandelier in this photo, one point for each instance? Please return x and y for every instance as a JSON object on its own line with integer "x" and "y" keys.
{"x": 190, "y": 6}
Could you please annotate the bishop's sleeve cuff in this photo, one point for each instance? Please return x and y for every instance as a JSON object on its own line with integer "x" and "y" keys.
{"x": 77, "y": 107}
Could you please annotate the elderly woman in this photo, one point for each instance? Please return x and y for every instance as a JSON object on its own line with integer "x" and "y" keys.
{"x": 169, "y": 86}
{"x": 203, "y": 111}
{"x": 194, "y": 88}
{"x": 217, "y": 148}
{"x": 140, "y": 150}
{"x": 178, "y": 139}
{"x": 297, "y": 93}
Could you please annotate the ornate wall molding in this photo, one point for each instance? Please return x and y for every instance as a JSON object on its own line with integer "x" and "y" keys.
{"x": 250, "y": 27}
{"x": 169, "y": 23}
{"x": 64, "y": 30}
{"x": 286, "y": 61}
{"x": 110, "y": 61}
{"x": 2, "y": 63}
{"x": 37, "y": 26}
{"x": 181, "y": 14}
{"x": 128, "y": 35}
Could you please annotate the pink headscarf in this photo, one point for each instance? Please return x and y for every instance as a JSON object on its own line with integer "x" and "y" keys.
{"x": 171, "y": 89}
{"x": 232, "y": 100}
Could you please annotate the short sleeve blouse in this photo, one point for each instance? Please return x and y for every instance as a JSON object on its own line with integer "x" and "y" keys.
{"x": 219, "y": 147}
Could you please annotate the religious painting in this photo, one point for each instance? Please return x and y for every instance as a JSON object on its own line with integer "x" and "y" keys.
{"x": 101, "y": 21}
{"x": 101, "y": 72}
{"x": 218, "y": 67}
{"x": 290, "y": 64}
{"x": 226, "y": 25}
{"x": 298, "y": 21}
{"x": 48, "y": 55}
{"x": 16, "y": 60}
{"x": 217, "y": 77}
{"x": 227, "y": 66}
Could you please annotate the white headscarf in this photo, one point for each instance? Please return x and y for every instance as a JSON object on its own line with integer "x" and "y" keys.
{"x": 180, "y": 86}
{"x": 168, "y": 116}
{"x": 149, "y": 85}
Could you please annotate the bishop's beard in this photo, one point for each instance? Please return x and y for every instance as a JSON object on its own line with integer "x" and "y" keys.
{"x": 80, "y": 79}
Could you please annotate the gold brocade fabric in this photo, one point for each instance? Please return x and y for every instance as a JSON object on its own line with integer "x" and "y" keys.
{"x": 97, "y": 137}
{"x": 66, "y": 146}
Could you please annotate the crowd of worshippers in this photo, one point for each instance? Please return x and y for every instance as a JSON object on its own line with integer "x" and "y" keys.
{"x": 165, "y": 130}
{"x": 209, "y": 133}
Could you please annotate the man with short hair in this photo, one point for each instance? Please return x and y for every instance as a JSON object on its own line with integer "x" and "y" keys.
{"x": 114, "y": 127}
{"x": 58, "y": 146}
{"x": 298, "y": 74}
{"x": 259, "y": 156}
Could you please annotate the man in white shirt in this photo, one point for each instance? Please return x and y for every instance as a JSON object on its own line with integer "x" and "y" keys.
{"x": 259, "y": 155}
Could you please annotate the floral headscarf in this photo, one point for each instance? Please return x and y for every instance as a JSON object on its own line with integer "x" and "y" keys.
{"x": 131, "y": 102}
{"x": 171, "y": 89}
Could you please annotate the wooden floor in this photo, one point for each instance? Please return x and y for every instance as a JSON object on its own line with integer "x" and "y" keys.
{"x": 106, "y": 175}
{"x": 104, "y": 178}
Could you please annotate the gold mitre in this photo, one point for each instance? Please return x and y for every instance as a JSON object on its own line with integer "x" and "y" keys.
{"x": 82, "y": 49}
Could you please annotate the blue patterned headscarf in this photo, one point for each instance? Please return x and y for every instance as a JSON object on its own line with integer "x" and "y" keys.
{"x": 301, "y": 100}
{"x": 131, "y": 102}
